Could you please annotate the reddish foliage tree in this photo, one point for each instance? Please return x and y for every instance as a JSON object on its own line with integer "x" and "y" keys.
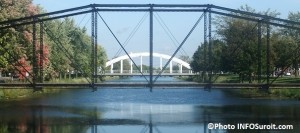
{"x": 45, "y": 57}
{"x": 22, "y": 68}
{"x": 32, "y": 9}
{"x": 27, "y": 36}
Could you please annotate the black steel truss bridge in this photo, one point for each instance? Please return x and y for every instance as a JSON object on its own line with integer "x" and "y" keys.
{"x": 36, "y": 80}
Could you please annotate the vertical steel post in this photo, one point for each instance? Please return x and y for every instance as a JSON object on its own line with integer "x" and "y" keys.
{"x": 96, "y": 47}
{"x": 151, "y": 45}
{"x": 150, "y": 127}
{"x": 205, "y": 46}
{"x": 209, "y": 48}
{"x": 41, "y": 52}
{"x": 34, "y": 61}
{"x": 93, "y": 48}
{"x": 259, "y": 53}
{"x": 268, "y": 54}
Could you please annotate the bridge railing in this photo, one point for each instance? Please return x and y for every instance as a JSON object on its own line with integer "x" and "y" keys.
{"x": 147, "y": 71}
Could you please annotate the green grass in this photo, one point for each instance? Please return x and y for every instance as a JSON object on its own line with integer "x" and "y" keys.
{"x": 225, "y": 79}
{"x": 232, "y": 78}
{"x": 273, "y": 93}
{"x": 286, "y": 79}
{"x": 286, "y": 93}
{"x": 24, "y": 93}
{"x": 75, "y": 80}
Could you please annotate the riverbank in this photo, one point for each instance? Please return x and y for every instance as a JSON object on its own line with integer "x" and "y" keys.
{"x": 8, "y": 94}
{"x": 282, "y": 93}
{"x": 265, "y": 94}
{"x": 12, "y": 94}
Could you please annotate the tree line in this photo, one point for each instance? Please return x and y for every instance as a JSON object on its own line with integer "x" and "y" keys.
{"x": 235, "y": 47}
{"x": 66, "y": 46}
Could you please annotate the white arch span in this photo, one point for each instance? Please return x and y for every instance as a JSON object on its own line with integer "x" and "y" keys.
{"x": 142, "y": 54}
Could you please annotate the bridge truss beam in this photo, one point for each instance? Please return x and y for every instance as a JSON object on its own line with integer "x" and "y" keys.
{"x": 96, "y": 8}
{"x": 156, "y": 8}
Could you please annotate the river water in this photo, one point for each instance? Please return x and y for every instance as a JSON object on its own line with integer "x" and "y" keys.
{"x": 137, "y": 110}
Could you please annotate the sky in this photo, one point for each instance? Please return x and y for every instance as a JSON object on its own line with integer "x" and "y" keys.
{"x": 122, "y": 24}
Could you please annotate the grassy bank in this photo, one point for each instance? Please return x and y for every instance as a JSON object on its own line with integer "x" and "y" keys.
{"x": 258, "y": 93}
{"x": 271, "y": 93}
{"x": 23, "y": 93}
{"x": 286, "y": 93}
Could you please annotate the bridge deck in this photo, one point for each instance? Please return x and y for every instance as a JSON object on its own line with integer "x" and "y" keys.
{"x": 144, "y": 85}
{"x": 147, "y": 74}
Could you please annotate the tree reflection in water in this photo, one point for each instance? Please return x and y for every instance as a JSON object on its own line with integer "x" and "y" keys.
{"x": 55, "y": 119}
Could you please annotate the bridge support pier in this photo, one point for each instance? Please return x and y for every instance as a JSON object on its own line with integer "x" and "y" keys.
{"x": 160, "y": 63}
{"x": 180, "y": 68}
{"x": 131, "y": 69}
{"x": 112, "y": 68}
{"x": 141, "y": 64}
{"x": 121, "y": 68}
{"x": 171, "y": 67}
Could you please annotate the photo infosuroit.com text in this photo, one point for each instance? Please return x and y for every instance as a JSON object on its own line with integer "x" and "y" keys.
{"x": 247, "y": 126}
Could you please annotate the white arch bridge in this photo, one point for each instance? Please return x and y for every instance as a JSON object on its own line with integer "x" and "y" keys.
{"x": 131, "y": 72}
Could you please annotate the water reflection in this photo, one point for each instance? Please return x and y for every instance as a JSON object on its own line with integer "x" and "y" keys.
{"x": 141, "y": 118}
{"x": 139, "y": 111}
{"x": 45, "y": 119}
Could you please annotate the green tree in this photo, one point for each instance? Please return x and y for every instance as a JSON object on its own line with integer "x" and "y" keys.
{"x": 71, "y": 49}
{"x": 16, "y": 43}
{"x": 102, "y": 58}
{"x": 60, "y": 47}
{"x": 283, "y": 47}
{"x": 294, "y": 38}
{"x": 239, "y": 55}
{"x": 199, "y": 64}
